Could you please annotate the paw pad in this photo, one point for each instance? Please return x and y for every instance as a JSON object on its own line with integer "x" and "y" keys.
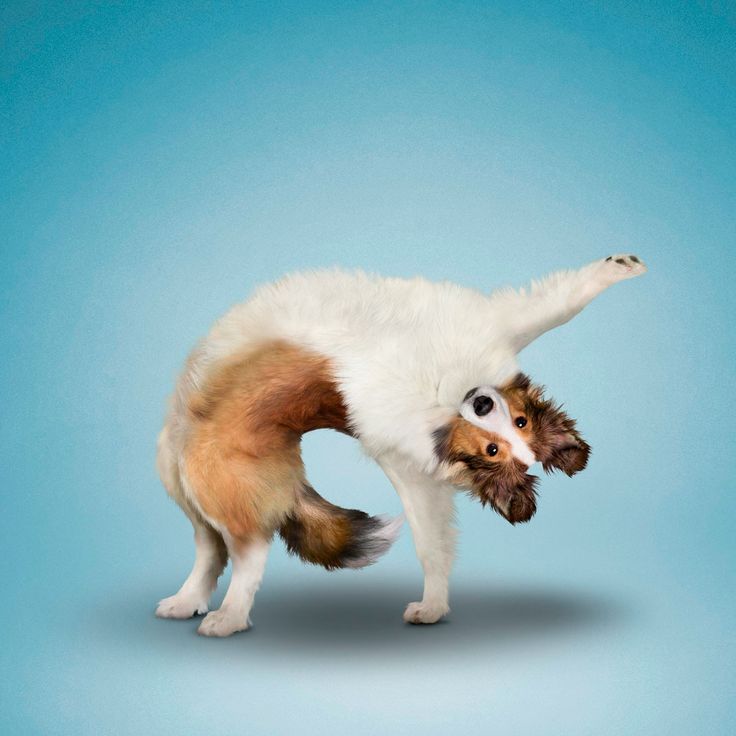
{"x": 622, "y": 266}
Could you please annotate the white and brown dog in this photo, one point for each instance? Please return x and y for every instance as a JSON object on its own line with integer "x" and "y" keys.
{"x": 422, "y": 374}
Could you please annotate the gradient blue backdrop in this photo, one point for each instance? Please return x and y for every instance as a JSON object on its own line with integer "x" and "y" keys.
{"x": 159, "y": 160}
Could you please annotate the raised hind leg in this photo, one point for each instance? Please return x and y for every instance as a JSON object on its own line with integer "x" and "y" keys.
{"x": 557, "y": 298}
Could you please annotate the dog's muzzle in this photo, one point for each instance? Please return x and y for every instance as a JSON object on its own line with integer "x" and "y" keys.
{"x": 486, "y": 408}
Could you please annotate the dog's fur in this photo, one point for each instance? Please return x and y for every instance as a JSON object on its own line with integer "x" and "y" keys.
{"x": 389, "y": 362}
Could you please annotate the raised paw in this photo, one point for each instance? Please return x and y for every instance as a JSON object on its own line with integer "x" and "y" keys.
{"x": 620, "y": 267}
{"x": 223, "y": 622}
{"x": 180, "y": 606}
{"x": 424, "y": 613}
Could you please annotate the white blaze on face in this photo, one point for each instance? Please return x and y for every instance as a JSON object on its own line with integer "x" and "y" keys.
{"x": 486, "y": 408}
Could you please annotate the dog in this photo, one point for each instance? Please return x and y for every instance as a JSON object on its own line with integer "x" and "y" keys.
{"x": 422, "y": 374}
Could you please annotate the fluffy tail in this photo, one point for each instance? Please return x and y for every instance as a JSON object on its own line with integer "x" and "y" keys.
{"x": 324, "y": 534}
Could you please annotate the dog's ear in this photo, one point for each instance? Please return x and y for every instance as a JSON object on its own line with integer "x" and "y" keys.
{"x": 509, "y": 489}
{"x": 570, "y": 455}
{"x": 484, "y": 465}
{"x": 553, "y": 436}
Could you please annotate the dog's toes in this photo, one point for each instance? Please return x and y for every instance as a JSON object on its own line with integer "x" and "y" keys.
{"x": 223, "y": 622}
{"x": 621, "y": 266}
{"x": 424, "y": 613}
{"x": 180, "y": 606}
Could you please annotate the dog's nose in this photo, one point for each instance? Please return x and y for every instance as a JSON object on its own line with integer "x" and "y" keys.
{"x": 482, "y": 405}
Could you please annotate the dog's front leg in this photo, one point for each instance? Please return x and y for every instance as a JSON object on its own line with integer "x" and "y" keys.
{"x": 430, "y": 508}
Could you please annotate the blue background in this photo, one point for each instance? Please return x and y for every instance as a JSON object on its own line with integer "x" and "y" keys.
{"x": 160, "y": 160}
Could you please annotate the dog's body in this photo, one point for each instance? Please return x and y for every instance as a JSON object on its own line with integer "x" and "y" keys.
{"x": 398, "y": 365}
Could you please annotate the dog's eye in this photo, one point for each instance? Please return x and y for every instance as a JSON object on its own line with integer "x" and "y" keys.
{"x": 482, "y": 405}
{"x": 520, "y": 422}
{"x": 492, "y": 449}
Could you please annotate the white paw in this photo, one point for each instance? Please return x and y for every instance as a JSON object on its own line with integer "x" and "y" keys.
{"x": 223, "y": 623}
{"x": 620, "y": 267}
{"x": 181, "y": 606}
{"x": 424, "y": 613}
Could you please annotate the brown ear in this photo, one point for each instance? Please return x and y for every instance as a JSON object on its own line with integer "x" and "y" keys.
{"x": 571, "y": 457}
{"x": 554, "y": 439}
{"x": 506, "y": 485}
{"x": 514, "y": 498}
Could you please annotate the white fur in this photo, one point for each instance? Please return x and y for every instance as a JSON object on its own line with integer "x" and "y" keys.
{"x": 405, "y": 352}
{"x": 429, "y": 505}
{"x": 380, "y": 540}
{"x": 249, "y": 562}
{"x": 194, "y": 595}
{"x": 498, "y": 421}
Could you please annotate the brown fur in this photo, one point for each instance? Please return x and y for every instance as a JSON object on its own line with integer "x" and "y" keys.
{"x": 277, "y": 385}
{"x": 550, "y": 432}
{"x": 243, "y": 457}
{"x": 500, "y": 480}
{"x": 324, "y": 534}
{"x": 244, "y": 463}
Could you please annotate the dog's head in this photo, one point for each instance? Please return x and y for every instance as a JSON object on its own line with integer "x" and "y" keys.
{"x": 498, "y": 434}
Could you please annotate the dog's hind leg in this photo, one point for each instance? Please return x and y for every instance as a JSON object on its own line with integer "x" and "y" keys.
{"x": 557, "y": 298}
{"x": 209, "y": 562}
{"x": 249, "y": 562}
{"x": 246, "y": 498}
{"x": 210, "y": 551}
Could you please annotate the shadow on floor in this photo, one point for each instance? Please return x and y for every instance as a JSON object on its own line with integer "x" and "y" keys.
{"x": 347, "y": 620}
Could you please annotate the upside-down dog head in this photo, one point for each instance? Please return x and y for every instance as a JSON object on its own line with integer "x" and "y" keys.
{"x": 498, "y": 435}
{"x": 550, "y": 433}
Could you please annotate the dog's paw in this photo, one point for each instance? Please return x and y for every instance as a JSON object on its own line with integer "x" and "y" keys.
{"x": 424, "y": 613}
{"x": 181, "y": 606}
{"x": 223, "y": 622}
{"x": 620, "y": 267}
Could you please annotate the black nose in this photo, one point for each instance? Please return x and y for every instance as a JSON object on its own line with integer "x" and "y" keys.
{"x": 482, "y": 405}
